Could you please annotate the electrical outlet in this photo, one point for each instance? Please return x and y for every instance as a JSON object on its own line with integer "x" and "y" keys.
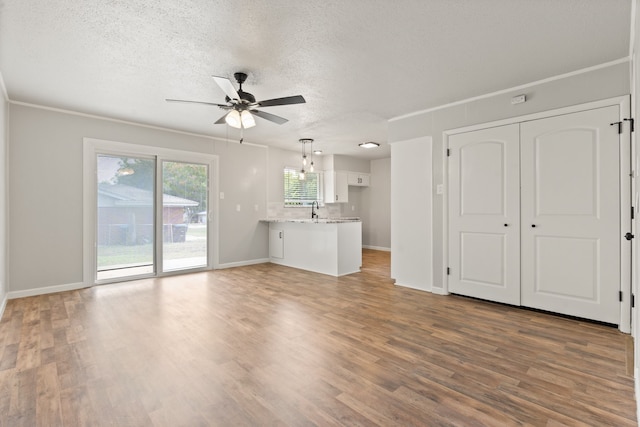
{"x": 238, "y": 208}
{"x": 255, "y": 208}
{"x": 221, "y": 195}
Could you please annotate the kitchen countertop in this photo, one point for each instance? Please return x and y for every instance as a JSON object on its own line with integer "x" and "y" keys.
{"x": 314, "y": 221}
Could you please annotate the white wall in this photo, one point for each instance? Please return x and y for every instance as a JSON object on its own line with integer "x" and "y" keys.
{"x": 411, "y": 214}
{"x": 45, "y": 195}
{"x": 376, "y": 199}
{"x": 4, "y": 128}
{"x": 600, "y": 83}
{"x": 352, "y": 164}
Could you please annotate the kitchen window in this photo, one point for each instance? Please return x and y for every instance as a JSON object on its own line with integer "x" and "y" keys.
{"x": 301, "y": 192}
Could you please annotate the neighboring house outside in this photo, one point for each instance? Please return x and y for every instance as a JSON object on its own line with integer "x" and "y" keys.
{"x": 125, "y": 215}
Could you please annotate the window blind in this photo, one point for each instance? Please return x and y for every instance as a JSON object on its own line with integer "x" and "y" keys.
{"x": 300, "y": 192}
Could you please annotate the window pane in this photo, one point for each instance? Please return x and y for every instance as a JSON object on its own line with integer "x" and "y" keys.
{"x": 300, "y": 192}
{"x": 125, "y": 216}
{"x": 184, "y": 214}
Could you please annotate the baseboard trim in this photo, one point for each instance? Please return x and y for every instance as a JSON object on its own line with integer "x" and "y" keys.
{"x": 3, "y": 305}
{"x": 417, "y": 288}
{"x": 376, "y": 248}
{"x": 46, "y": 290}
{"x": 439, "y": 291}
{"x": 242, "y": 263}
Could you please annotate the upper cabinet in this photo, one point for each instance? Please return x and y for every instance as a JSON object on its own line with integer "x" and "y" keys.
{"x": 336, "y": 187}
{"x": 358, "y": 179}
{"x": 336, "y": 184}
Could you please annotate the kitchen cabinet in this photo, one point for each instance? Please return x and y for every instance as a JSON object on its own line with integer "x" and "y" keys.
{"x": 358, "y": 179}
{"x": 336, "y": 187}
{"x": 276, "y": 243}
{"x": 327, "y": 246}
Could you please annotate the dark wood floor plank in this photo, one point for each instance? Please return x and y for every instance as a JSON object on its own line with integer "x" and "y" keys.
{"x": 272, "y": 345}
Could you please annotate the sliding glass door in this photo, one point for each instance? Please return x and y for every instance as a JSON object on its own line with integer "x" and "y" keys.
{"x": 125, "y": 221}
{"x": 184, "y": 215}
{"x": 150, "y": 213}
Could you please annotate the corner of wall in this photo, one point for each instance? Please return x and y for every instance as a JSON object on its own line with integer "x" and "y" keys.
{"x": 3, "y": 88}
{"x": 3, "y": 304}
{"x": 4, "y": 166}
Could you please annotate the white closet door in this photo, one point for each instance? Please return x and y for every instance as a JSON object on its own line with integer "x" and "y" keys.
{"x": 484, "y": 222}
{"x": 570, "y": 214}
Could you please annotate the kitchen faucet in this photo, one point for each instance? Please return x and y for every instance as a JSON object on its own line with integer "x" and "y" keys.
{"x": 314, "y": 205}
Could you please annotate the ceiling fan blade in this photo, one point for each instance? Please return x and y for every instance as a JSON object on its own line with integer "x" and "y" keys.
{"x": 298, "y": 99}
{"x": 268, "y": 116}
{"x": 198, "y": 102}
{"x": 227, "y": 87}
{"x": 221, "y": 120}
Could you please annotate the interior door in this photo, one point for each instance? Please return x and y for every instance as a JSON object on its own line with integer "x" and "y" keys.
{"x": 571, "y": 214}
{"x": 484, "y": 221}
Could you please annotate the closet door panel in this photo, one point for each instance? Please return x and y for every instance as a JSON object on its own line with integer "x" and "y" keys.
{"x": 571, "y": 214}
{"x": 484, "y": 226}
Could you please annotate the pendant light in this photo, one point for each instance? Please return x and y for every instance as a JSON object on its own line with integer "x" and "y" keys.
{"x": 304, "y": 141}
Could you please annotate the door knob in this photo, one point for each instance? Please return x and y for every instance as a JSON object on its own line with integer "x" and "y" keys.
{"x": 506, "y": 225}
{"x": 533, "y": 225}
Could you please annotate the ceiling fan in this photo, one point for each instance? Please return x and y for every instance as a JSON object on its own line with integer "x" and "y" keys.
{"x": 243, "y": 105}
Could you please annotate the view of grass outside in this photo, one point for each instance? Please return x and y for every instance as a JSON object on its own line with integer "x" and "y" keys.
{"x": 130, "y": 255}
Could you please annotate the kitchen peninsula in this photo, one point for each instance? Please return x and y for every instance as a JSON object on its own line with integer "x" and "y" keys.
{"x": 330, "y": 246}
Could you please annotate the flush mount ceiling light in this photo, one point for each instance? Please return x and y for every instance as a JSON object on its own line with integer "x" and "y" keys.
{"x": 369, "y": 144}
{"x": 317, "y": 152}
{"x": 304, "y": 142}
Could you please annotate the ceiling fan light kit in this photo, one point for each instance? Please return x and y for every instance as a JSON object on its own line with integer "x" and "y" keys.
{"x": 238, "y": 120}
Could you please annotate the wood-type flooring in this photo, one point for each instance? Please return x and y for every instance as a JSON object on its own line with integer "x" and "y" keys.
{"x": 267, "y": 345}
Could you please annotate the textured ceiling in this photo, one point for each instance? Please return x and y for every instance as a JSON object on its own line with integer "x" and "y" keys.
{"x": 358, "y": 63}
